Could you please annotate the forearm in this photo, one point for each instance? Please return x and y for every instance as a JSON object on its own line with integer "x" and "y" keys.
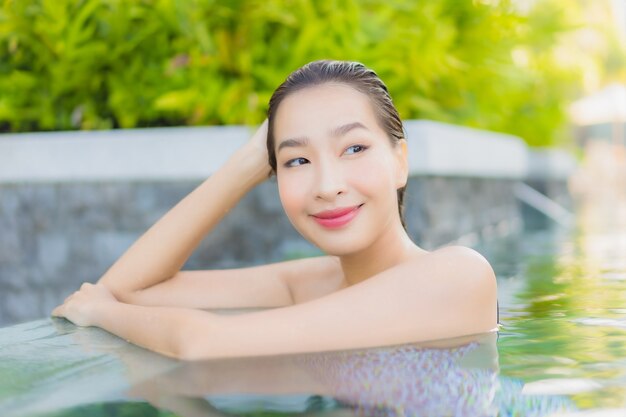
{"x": 162, "y": 250}
{"x": 160, "y": 329}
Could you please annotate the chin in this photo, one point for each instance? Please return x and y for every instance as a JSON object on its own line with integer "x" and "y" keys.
{"x": 338, "y": 242}
{"x": 339, "y": 247}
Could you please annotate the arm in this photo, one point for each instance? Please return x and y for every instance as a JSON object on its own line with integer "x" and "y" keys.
{"x": 161, "y": 251}
{"x": 252, "y": 287}
{"x": 400, "y": 305}
{"x": 273, "y": 285}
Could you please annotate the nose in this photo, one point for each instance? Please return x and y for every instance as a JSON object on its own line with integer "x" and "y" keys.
{"x": 330, "y": 180}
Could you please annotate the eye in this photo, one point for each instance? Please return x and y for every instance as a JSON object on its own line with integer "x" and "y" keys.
{"x": 357, "y": 149}
{"x": 295, "y": 162}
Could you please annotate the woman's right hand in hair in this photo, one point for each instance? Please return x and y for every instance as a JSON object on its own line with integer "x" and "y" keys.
{"x": 253, "y": 157}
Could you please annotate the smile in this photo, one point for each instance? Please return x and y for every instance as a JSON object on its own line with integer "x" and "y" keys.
{"x": 336, "y": 218}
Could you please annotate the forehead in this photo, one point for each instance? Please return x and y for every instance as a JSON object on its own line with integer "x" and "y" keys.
{"x": 313, "y": 110}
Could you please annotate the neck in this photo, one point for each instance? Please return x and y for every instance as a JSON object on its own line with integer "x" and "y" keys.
{"x": 393, "y": 248}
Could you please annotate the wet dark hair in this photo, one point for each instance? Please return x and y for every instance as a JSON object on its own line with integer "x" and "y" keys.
{"x": 353, "y": 74}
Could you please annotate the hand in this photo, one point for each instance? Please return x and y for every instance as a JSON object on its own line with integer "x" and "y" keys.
{"x": 259, "y": 139}
{"x": 83, "y": 306}
{"x": 253, "y": 155}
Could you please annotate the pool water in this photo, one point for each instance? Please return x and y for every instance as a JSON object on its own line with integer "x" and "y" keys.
{"x": 563, "y": 308}
{"x": 561, "y": 351}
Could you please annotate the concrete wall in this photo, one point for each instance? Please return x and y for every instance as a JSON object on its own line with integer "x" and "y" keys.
{"x": 72, "y": 202}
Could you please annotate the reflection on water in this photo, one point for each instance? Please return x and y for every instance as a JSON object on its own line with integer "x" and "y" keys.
{"x": 561, "y": 352}
{"x": 404, "y": 380}
{"x": 87, "y": 372}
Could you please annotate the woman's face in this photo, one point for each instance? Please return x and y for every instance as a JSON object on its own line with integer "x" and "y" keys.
{"x": 332, "y": 154}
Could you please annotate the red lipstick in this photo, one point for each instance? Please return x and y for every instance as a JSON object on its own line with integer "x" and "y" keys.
{"x": 335, "y": 218}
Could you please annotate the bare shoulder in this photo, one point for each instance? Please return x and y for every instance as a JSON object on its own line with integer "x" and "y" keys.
{"x": 467, "y": 258}
{"x": 454, "y": 284}
{"x": 460, "y": 275}
{"x": 456, "y": 265}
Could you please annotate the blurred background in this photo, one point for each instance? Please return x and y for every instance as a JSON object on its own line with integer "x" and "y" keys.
{"x": 508, "y": 66}
{"x": 513, "y": 66}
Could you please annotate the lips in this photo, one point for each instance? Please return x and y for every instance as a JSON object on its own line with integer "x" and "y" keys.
{"x": 331, "y": 214}
{"x": 333, "y": 219}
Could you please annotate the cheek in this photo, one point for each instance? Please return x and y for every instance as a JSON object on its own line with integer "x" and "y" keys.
{"x": 292, "y": 193}
{"x": 373, "y": 176}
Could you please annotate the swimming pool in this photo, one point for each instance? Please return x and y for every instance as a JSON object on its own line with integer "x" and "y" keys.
{"x": 561, "y": 352}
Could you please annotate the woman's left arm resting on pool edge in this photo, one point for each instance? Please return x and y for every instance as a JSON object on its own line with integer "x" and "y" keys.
{"x": 375, "y": 312}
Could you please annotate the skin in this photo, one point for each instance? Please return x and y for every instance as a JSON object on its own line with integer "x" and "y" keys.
{"x": 384, "y": 277}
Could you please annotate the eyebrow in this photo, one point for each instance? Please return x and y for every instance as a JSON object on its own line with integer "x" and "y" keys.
{"x": 336, "y": 132}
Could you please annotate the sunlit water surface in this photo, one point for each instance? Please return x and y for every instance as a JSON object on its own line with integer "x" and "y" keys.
{"x": 563, "y": 308}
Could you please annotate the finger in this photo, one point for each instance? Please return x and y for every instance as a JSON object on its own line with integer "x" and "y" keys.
{"x": 85, "y": 285}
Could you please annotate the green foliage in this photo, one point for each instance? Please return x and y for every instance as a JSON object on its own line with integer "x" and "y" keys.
{"x": 94, "y": 64}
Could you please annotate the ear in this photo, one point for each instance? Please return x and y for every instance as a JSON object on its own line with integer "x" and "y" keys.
{"x": 402, "y": 161}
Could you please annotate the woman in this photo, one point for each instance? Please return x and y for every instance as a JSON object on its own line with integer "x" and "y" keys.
{"x": 335, "y": 142}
